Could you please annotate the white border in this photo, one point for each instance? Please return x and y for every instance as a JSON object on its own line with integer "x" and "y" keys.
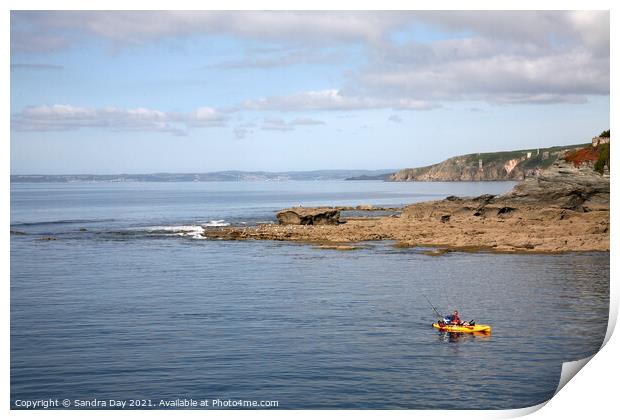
{"x": 591, "y": 394}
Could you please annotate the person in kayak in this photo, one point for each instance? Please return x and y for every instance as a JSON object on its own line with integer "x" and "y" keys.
{"x": 455, "y": 320}
{"x": 451, "y": 319}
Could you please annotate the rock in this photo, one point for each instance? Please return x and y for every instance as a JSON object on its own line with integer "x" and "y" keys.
{"x": 436, "y": 252}
{"x": 366, "y": 207}
{"x": 484, "y": 198}
{"x": 309, "y": 216}
{"x": 340, "y": 247}
{"x": 505, "y": 212}
{"x": 563, "y": 185}
{"x": 47, "y": 238}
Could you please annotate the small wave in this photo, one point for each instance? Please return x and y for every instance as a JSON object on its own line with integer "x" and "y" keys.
{"x": 193, "y": 231}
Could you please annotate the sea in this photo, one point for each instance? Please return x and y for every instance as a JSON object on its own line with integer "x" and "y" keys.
{"x": 116, "y": 296}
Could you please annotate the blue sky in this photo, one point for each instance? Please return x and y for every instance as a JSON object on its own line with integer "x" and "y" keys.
{"x": 135, "y": 92}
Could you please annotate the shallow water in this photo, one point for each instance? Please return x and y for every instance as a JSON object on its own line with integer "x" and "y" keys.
{"x": 127, "y": 303}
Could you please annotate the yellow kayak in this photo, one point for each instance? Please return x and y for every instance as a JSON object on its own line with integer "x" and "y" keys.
{"x": 463, "y": 328}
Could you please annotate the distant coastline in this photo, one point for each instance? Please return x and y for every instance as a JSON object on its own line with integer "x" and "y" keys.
{"x": 220, "y": 176}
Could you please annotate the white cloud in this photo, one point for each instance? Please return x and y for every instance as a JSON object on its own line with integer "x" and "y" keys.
{"x": 35, "y": 29}
{"x": 486, "y": 70}
{"x": 279, "y": 124}
{"x": 282, "y": 57}
{"x": 67, "y": 117}
{"x": 593, "y": 29}
{"x": 332, "y": 100}
{"x": 205, "y": 117}
{"x": 276, "y": 124}
{"x": 543, "y": 28}
{"x": 57, "y": 29}
{"x": 306, "y": 121}
{"x": 499, "y": 57}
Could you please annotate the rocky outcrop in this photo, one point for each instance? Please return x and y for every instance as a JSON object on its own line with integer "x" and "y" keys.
{"x": 564, "y": 209}
{"x": 563, "y": 185}
{"x": 309, "y": 216}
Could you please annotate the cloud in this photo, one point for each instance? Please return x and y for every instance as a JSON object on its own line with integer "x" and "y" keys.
{"x": 204, "y": 117}
{"x": 497, "y": 57}
{"x": 396, "y": 119}
{"x": 35, "y": 41}
{"x": 306, "y": 121}
{"x": 548, "y": 28}
{"x": 331, "y": 100}
{"x": 34, "y": 29}
{"x": 57, "y": 29}
{"x": 67, "y": 117}
{"x": 35, "y": 66}
{"x": 270, "y": 58}
{"x": 487, "y": 70}
{"x": 279, "y": 124}
{"x": 241, "y": 133}
{"x": 276, "y": 124}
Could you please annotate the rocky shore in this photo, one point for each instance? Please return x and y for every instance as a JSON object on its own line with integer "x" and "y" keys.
{"x": 564, "y": 209}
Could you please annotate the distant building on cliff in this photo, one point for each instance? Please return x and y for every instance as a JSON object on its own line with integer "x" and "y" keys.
{"x": 600, "y": 140}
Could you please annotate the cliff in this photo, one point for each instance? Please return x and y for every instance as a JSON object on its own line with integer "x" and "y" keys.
{"x": 500, "y": 166}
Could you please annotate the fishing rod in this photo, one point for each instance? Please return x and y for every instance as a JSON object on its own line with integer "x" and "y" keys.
{"x": 440, "y": 316}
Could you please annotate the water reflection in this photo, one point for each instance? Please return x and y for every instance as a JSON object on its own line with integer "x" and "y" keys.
{"x": 456, "y": 337}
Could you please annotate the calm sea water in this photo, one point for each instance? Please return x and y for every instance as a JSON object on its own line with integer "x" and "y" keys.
{"x": 129, "y": 303}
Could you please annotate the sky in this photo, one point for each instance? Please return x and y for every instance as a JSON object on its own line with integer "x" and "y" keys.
{"x": 103, "y": 92}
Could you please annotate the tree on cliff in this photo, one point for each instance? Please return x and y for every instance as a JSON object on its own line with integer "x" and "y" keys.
{"x": 603, "y": 158}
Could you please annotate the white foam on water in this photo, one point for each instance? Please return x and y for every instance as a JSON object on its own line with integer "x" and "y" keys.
{"x": 193, "y": 231}
{"x": 214, "y": 223}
